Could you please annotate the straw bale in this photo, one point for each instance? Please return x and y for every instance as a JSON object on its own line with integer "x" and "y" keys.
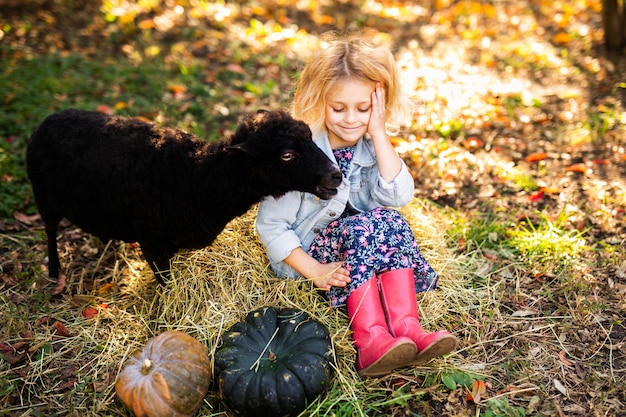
{"x": 210, "y": 290}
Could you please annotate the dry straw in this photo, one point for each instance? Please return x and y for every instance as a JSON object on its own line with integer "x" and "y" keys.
{"x": 211, "y": 290}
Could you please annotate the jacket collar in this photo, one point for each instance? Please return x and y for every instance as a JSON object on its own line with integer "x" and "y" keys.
{"x": 363, "y": 151}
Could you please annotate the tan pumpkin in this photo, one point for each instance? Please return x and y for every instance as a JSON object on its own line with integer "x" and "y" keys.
{"x": 169, "y": 377}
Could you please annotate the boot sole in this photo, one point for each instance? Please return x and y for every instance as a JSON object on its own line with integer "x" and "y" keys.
{"x": 441, "y": 347}
{"x": 397, "y": 357}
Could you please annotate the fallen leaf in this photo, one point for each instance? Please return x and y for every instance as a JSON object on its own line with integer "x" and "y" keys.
{"x": 236, "y": 68}
{"x": 582, "y": 168}
{"x": 524, "y": 389}
{"x": 103, "y": 108}
{"x": 60, "y": 285}
{"x": 146, "y": 24}
{"x": 177, "y": 88}
{"x": 90, "y": 312}
{"x": 12, "y": 353}
{"x": 397, "y": 141}
{"x": 574, "y": 409}
{"x": 42, "y": 320}
{"x": 536, "y": 157}
{"x": 550, "y": 190}
{"x": 144, "y": 119}
{"x": 478, "y": 390}
{"x": 398, "y": 383}
{"x": 81, "y": 299}
{"x": 562, "y": 38}
{"x": 536, "y": 196}
{"x": 61, "y": 329}
{"x": 524, "y": 313}
{"x": 564, "y": 360}
{"x": 559, "y": 386}
{"x": 473, "y": 143}
{"x": 107, "y": 289}
{"x": 26, "y": 219}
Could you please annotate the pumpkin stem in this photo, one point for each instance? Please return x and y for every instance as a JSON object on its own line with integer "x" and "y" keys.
{"x": 146, "y": 366}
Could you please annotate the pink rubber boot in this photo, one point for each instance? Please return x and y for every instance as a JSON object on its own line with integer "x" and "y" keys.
{"x": 397, "y": 291}
{"x": 378, "y": 352}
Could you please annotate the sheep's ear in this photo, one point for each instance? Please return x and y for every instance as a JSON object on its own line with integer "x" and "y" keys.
{"x": 240, "y": 147}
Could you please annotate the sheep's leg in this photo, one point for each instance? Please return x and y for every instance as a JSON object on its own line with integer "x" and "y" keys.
{"x": 159, "y": 261}
{"x": 54, "y": 264}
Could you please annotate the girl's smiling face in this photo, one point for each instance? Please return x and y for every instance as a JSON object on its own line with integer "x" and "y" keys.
{"x": 348, "y": 109}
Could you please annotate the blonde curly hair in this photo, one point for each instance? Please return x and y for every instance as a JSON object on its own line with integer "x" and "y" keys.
{"x": 350, "y": 57}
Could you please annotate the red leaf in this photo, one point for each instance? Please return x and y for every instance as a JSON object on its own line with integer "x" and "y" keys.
{"x": 536, "y": 157}
{"x": 582, "y": 168}
{"x": 61, "y": 329}
{"x": 461, "y": 244}
{"x": 562, "y": 38}
{"x": 103, "y": 108}
{"x": 146, "y": 24}
{"x": 90, "y": 312}
{"x": 178, "y": 89}
{"x": 473, "y": 143}
{"x": 107, "y": 289}
{"x": 478, "y": 390}
{"x": 536, "y": 196}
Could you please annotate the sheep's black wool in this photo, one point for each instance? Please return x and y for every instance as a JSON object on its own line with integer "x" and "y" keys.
{"x": 125, "y": 179}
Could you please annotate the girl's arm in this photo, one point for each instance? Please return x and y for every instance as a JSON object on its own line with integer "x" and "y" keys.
{"x": 274, "y": 224}
{"x": 324, "y": 276}
{"x": 389, "y": 162}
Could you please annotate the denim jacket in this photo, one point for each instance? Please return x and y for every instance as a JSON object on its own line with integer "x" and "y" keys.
{"x": 295, "y": 218}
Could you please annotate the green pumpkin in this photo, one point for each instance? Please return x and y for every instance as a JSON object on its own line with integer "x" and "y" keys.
{"x": 274, "y": 363}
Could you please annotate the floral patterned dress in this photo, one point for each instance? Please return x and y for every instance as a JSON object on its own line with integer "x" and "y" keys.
{"x": 369, "y": 243}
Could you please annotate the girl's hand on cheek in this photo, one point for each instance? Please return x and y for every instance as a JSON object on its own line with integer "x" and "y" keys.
{"x": 376, "y": 127}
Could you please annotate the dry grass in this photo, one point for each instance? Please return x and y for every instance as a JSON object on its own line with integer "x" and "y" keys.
{"x": 210, "y": 290}
{"x": 538, "y": 343}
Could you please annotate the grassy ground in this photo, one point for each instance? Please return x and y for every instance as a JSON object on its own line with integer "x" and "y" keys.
{"x": 517, "y": 146}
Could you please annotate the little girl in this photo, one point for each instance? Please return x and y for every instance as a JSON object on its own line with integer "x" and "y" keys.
{"x": 352, "y": 246}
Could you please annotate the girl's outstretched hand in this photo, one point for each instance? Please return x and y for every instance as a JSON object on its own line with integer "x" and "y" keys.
{"x": 376, "y": 126}
{"x": 329, "y": 275}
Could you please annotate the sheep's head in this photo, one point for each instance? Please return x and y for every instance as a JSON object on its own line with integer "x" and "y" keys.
{"x": 282, "y": 156}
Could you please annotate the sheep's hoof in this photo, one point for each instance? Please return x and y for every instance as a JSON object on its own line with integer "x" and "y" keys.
{"x": 162, "y": 277}
{"x": 60, "y": 284}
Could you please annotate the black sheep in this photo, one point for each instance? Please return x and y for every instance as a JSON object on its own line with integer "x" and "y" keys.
{"x": 125, "y": 179}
